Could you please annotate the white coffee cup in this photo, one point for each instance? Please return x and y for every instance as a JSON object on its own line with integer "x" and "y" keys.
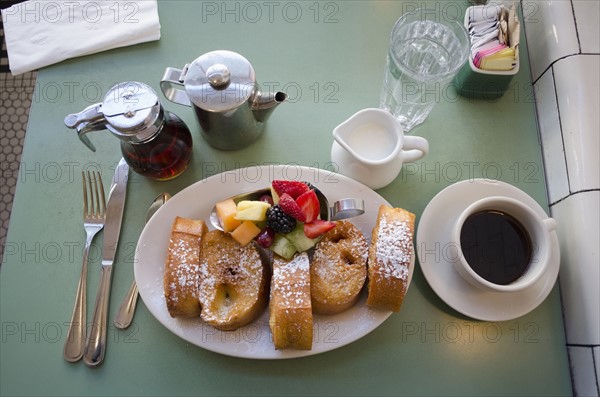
{"x": 371, "y": 147}
{"x": 536, "y": 228}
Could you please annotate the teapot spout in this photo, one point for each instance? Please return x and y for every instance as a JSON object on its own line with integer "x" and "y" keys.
{"x": 264, "y": 104}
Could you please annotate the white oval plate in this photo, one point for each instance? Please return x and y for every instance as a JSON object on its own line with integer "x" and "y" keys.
{"x": 253, "y": 340}
{"x": 432, "y": 245}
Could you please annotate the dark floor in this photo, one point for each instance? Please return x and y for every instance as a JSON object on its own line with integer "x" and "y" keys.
{"x": 16, "y": 93}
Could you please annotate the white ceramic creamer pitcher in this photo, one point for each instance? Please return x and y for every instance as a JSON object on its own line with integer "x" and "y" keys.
{"x": 371, "y": 147}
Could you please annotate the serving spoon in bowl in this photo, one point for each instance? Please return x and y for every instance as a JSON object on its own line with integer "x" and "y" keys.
{"x": 341, "y": 209}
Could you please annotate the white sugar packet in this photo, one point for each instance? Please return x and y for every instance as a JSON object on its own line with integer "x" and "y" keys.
{"x": 41, "y": 33}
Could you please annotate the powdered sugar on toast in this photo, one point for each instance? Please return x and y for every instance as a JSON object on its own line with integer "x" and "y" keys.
{"x": 390, "y": 257}
{"x": 394, "y": 248}
{"x": 183, "y": 262}
{"x": 292, "y": 294}
{"x": 181, "y": 267}
{"x": 239, "y": 270}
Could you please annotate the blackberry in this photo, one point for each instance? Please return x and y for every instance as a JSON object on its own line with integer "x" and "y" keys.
{"x": 279, "y": 221}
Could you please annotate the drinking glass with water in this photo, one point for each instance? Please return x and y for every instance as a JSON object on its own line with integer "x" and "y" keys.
{"x": 426, "y": 51}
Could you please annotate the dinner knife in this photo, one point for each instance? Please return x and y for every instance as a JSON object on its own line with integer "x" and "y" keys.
{"x": 96, "y": 343}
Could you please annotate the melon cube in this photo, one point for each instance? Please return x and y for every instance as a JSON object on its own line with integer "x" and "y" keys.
{"x": 245, "y": 232}
{"x": 299, "y": 239}
{"x": 226, "y": 211}
{"x": 283, "y": 247}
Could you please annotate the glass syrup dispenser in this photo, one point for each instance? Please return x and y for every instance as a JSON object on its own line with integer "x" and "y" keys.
{"x": 155, "y": 143}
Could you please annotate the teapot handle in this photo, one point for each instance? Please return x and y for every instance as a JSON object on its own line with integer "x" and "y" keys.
{"x": 414, "y": 148}
{"x": 171, "y": 86}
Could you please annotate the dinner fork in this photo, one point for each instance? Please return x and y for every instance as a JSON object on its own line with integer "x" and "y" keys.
{"x": 94, "y": 211}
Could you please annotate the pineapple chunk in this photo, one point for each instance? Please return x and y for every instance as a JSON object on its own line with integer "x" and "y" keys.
{"x": 245, "y": 232}
{"x": 252, "y": 211}
{"x": 226, "y": 211}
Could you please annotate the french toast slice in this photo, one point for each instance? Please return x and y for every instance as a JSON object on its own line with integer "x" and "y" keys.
{"x": 390, "y": 255}
{"x": 338, "y": 269}
{"x": 233, "y": 283}
{"x": 182, "y": 267}
{"x": 290, "y": 312}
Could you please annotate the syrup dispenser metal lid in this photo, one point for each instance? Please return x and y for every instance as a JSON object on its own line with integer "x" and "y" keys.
{"x": 219, "y": 81}
{"x": 130, "y": 110}
{"x": 130, "y": 106}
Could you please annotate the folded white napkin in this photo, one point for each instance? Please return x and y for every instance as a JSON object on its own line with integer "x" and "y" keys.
{"x": 41, "y": 33}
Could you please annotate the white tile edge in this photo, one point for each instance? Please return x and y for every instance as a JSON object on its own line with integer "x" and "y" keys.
{"x": 583, "y": 376}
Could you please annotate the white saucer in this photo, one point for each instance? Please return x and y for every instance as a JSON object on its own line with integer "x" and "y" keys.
{"x": 433, "y": 250}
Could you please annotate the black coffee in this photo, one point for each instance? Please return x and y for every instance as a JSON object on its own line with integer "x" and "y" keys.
{"x": 496, "y": 246}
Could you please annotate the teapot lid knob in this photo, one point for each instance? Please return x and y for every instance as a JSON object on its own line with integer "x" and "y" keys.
{"x": 220, "y": 81}
{"x": 218, "y": 76}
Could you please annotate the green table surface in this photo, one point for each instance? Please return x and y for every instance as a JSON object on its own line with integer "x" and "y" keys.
{"x": 329, "y": 58}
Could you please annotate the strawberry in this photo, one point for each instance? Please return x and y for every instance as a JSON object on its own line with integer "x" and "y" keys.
{"x": 317, "y": 227}
{"x": 293, "y": 188}
{"x": 290, "y": 207}
{"x": 309, "y": 203}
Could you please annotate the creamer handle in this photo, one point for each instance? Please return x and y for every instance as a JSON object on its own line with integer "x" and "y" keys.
{"x": 414, "y": 148}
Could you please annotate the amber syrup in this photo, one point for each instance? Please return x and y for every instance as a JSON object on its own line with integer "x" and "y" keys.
{"x": 164, "y": 156}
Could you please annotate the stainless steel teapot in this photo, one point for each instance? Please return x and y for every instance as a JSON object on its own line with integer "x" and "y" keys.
{"x": 221, "y": 87}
